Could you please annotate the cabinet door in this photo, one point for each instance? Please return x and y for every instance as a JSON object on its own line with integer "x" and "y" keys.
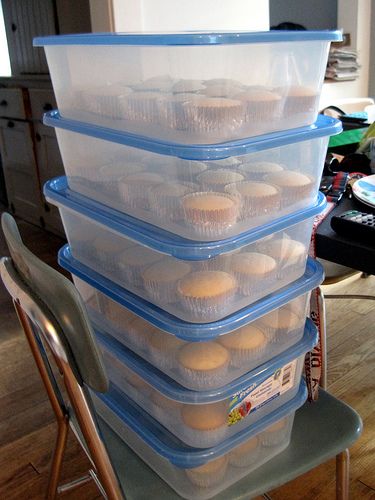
{"x": 50, "y": 165}
{"x": 20, "y": 171}
{"x": 23, "y": 21}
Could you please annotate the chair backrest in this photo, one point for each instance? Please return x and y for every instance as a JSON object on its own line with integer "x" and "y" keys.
{"x": 62, "y": 301}
{"x": 51, "y": 312}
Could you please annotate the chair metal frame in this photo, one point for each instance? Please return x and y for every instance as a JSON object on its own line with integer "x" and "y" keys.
{"x": 33, "y": 313}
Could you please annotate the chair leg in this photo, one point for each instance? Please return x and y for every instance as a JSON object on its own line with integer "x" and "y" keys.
{"x": 57, "y": 459}
{"x": 342, "y": 475}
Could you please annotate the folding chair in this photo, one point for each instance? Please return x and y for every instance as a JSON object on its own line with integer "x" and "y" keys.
{"x": 53, "y": 317}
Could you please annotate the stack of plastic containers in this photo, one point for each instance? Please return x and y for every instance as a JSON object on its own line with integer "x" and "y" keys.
{"x": 193, "y": 164}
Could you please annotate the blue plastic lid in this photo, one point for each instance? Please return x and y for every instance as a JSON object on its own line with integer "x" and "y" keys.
{"x": 173, "y": 390}
{"x": 192, "y": 332}
{"x": 126, "y": 412}
{"x": 188, "y": 38}
{"x": 323, "y": 127}
{"x": 58, "y": 193}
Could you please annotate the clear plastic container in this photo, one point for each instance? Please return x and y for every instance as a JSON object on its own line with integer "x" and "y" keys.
{"x": 206, "y": 418}
{"x": 249, "y": 338}
{"x": 190, "y": 87}
{"x": 249, "y": 183}
{"x": 193, "y": 473}
{"x": 195, "y": 281}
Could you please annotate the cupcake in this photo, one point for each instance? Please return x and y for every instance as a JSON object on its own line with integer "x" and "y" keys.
{"x": 160, "y": 279}
{"x": 295, "y": 187}
{"x": 165, "y": 410}
{"x": 209, "y": 474}
{"x": 290, "y": 255}
{"x": 163, "y": 348}
{"x": 262, "y": 108}
{"x": 203, "y": 364}
{"x": 207, "y": 295}
{"x": 188, "y": 86}
{"x": 108, "y": 250}
{"x": 256, "y": 199}
{"x": 173, "y": 112}
{"x": 210, "y": 214}
{"x": 165, "y": 201}
{"x": 246, "y": 346}
{"x": 133, "y": 189}
{"x": 246, "y": 454}
{"x": 110, "y": 175}
{"x": 141, "y": 107}
{"x": 256, "y": 171}
{"x": 105, "y": 101}
{"x": 215, "y": 116}
{"x": 138, "y": 333}
{"x": 255, "y": 273}
{"x": 301, "y": 101}
{"x": 133, "y": 261}
{"x": 205, "y": 424}
{"x": 282, "y": 325}
{"x": 216, "y": 180}
{"x": 277, "y": 433}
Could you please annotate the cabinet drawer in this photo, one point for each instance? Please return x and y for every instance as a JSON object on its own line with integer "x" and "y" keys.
{"x": 16, "y": 145}
{"x": 12, "y": 103}
{"x": 41, "y": 100}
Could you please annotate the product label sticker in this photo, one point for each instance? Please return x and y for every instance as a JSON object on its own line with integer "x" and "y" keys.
{"x": 257, "y": 395}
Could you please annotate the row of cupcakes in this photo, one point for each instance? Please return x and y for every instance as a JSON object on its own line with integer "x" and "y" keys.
{"x": 199, "y": 425}
{"x": 201, "y": 365}
{"x": 214, "y": 202}
{"x": 197, "y": 106}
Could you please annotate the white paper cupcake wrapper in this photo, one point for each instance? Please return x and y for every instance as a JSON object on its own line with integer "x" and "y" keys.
{"x": 144, "y": 110}
{"x": 161, "y": 293}
{"x": 214, "y": 119}
{"x": 207, "y": 480}
{"x": 203, "y": 439}
{"x": 251, "y": 207}
{"x": 208, "y": 309}
{"x": 212, "y": 223}
{"x": 204, "y": 379}
{"x": 255, "y": 285}
{"x": 274, "y": 438}
{"x": 245, "y": 357}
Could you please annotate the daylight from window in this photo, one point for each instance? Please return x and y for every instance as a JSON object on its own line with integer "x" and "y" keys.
{"x": 4, "y": 54}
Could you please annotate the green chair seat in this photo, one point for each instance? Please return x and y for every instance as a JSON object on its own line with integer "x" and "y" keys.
{"x": 321, "y": 431}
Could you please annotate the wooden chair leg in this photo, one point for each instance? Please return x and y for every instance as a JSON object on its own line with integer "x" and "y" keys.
{"x": 342, "y": 475}
{"x": 57, "y": 458}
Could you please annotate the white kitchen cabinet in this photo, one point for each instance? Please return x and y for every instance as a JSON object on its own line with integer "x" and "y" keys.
{"x": 20, "y": 169}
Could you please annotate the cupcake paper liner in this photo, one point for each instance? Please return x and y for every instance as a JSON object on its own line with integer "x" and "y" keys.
{"x": 217, "y": 180}
{"x": 161, "y": 293}
{"x": 262, "y": 113}
{"x": 247, "y": 357}
{"x": 285, "y": 271}
{"x": 211, "y": 223}
{"x": 202, "y": 379}
{"x": 214, "y": 119}
{"x": 202, "y": 438}
{"x": 254, "y": 206}
{"x": 256, "y": 286}
{"x": 209, "y": 308}
{"x": 167, "y": 206}
{"x": 141, "y": 107}
{"x": 131, "y": 275}
{"x": 207, "y": 480}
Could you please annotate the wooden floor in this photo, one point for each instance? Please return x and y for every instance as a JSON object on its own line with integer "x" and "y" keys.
{"x": 27, "y": 430}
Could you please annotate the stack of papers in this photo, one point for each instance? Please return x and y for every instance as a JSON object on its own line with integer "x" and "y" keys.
{"x": 342, "y": 65}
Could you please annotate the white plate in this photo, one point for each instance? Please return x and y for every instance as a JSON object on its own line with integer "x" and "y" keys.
{"x": 364, "y": 190}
